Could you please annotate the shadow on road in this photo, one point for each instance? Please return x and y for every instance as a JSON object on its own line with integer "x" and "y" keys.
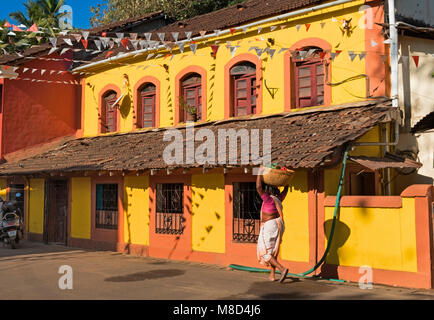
{"x": 148, "y": 275}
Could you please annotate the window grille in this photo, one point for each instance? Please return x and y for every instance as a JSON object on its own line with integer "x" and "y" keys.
{"x": 170, "y": 209}
{"x": 107, "y": 209}
{"x": 246, "y": 212}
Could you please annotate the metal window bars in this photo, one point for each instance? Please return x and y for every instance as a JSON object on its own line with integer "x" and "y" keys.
{"x": 246, "y": 212}
{"x": 107, "y": 211}
{"x": 170, "y": 209}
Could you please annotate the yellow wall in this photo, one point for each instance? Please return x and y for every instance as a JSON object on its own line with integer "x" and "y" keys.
{"x": 295, "y": 242}
{"x": 208, "y": 213}
{"x": 3, "y": 188}
{"x": 136, "y": 210}
{"x": 81, "y": 208}
{"x": 36, "y": 206}
{"x": 273, "y": 68}
{"x": 382, "y": 238}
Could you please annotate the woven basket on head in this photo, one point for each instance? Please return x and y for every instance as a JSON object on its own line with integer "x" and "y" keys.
{"x": 278, "y": 178}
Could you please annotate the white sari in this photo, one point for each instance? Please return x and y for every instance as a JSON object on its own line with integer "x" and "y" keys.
{"x": 270, "y": 236}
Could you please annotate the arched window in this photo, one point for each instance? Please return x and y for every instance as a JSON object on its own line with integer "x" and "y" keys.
{"x": 243, "y": 79}
{"x": 191, "y": 98}
{"x": 109, "y": 112}
{"x": 147, "y": 106}
{"x": 309, "y": 77}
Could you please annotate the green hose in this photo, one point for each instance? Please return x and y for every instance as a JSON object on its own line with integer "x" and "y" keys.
{"x": 332, "y": 231}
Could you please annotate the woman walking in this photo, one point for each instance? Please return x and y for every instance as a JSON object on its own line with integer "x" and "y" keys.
{"x": 272, "y": 226}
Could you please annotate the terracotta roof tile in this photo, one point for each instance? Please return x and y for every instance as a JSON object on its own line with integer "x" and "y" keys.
{"x": 298, "y": 141}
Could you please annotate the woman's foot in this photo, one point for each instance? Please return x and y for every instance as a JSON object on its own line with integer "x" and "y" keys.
{"x": 272, "y": 275}
{"x": 284, "y": 274}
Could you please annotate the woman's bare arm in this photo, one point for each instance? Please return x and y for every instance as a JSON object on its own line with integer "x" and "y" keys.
{"x": 259, "y": 182}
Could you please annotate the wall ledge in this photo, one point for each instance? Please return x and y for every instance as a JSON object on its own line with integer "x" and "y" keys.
{"x": 365, "y": 201}
{"x": 418, "y": 190}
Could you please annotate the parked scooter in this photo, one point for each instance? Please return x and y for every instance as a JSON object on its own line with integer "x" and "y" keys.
{"x": 11, "y": 226}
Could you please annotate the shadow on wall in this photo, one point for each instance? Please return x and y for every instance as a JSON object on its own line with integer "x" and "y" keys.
{"x": 342, "y": 232}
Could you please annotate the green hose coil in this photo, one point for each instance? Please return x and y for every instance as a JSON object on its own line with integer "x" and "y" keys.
{"x": 332, "y": 231}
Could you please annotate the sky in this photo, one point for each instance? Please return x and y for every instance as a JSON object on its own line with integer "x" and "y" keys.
{"x": 81, "y": 10}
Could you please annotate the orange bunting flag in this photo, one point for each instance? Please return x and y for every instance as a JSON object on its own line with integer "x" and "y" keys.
{"x": 215, "y": 49}
{"x": 307, "y": 26}
{"x": 85, "y": 43}
{"x": 338, "y": 52}
{"x": 416, "y": 60}
{"x": 7, "y": 24}
{"x": 322, "y": 54}
{"x": 33, "y": 28}
{"x": 109, "y": 54}
{"x": 15, "y": 28}
{"x": 104, "y": 34}
{"x": 233, "y": 30}
{"x": 125, "y": 42}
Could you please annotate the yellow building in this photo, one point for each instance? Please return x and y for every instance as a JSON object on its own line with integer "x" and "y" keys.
{"x": 307, "y": 79}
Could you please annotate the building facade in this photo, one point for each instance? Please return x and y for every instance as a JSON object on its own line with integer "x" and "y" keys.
{"x": 312, "y": 75}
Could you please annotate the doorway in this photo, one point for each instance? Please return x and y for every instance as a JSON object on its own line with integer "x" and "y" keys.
{"x": 56, "y": 212}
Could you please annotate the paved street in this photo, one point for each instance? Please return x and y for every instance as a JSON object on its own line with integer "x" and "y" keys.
{"x": 32, "y": 273}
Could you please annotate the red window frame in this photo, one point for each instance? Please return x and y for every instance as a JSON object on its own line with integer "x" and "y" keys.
{"x": 148, "y": 95}
{"x": 251, "y": 93}
{"x": 316, "y": 97}
{"x": 109, "y": 118}
{"x": 196, "y": 88}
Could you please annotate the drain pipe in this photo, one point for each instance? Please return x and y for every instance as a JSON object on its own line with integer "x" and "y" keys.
{"x": 394, "y": 50}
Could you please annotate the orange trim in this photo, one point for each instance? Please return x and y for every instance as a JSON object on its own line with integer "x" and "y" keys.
{"x": 102, "y": 92}
{"x": 191, "y": 69}
{"x": 80, "y": 131}
{"x": 365, "y": 201}
{"x": 289, "y": 83}
{"x": 229, "y": 95}
{"x": 110, "y": 236}
{"x": 177, "y": 247}
{"x": 136, "y": 101}
{"x": 418, "y": 190}
{"x": 376, "y": 69}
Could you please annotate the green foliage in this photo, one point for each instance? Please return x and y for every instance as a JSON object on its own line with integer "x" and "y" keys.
{"x": 45, "y": 13}
{"x": 115, "y": 10}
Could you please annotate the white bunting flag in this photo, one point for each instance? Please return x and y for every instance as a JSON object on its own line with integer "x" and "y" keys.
{"x": 25, "y": 70}
{"x": 217, "y": 32}
{"x": 322, "y": 25}
{"x": 298, "y": 26}
{"x": 43, "y": 71}
{"x": 188, "y": 35}
{"x": 52, "y": 51}
{"x": 85, "y": 34}
{"x": 334, "y": 19}
{"x": 161, "y": 36}
{"x": 34, "y": 70}
{"x": 68, "y": 42}
{"x": 271, "y": 52}
{"x": 143, "y": 44}
{"x": 52, "y": 72}
{"x": 181, "y": 46}
{"x": 258, "y": 52}
{"x": 148, "y": 36}
{"x": 362, "y": 55}
{"x": 245, "y": 30}
{"x": 259, "y": 30}
{"x": 135, "y": 44}
{"x": 105, "y": 41}
{"x": 352, "y": 55}
{"x": 233, "y": 50}
{"x": 134, "y": 36}
{"x": 65, "y": 50}
{"x": 283, "y": 49}
{"x": 53, "y": 42}
{"x": 150, "y": 56}
{"x": 272, "y": 28}
{"x": 112, "y": 44}
{"x": 120, "y": 35}
{"x": 333, "y": 55}
{"x": 374, "y": 44}
{"x": 310, "y": 53}
{"x": 193, "y": 47}
{"x": 175, "y": 36}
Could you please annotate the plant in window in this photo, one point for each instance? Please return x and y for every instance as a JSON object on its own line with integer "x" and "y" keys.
{"x": 190, "y": 110}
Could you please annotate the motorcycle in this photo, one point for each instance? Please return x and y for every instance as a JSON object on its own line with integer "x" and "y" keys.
{"x": 11, "y": 228}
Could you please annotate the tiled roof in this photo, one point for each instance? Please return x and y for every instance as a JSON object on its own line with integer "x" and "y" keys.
{"x": 427, "y": 123}
{"x": 124, "y": 24}
{"x": 299, "y": 140}
{"x": 222, "y": 19}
